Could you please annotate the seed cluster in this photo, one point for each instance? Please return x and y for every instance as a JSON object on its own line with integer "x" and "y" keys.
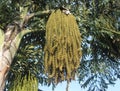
{"x": 62, "y": 50}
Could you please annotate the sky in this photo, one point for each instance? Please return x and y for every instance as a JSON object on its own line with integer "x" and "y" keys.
{"x": 74, "y": 86}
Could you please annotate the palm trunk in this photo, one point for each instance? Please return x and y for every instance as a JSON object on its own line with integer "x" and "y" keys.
{"x": 3, "y": 74}
{"x": 7, "y": 53}
{"x": 6, "y": 58}
{"x": 9, "y": 43}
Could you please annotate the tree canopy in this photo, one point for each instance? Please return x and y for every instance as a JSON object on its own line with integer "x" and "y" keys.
{"x": 99, "y": 25}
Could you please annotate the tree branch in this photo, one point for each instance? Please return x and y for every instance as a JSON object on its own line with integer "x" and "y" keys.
{"x": 29, "y": 16}
{"x": 1, "y": 38}
{"x": 43, "y": 13}
{"x": 39, "y": 13}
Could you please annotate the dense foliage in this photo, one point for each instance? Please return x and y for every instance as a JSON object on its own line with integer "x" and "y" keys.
{"x": 99, "y": 23}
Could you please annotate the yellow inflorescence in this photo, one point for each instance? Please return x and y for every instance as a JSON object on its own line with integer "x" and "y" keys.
{"x": 26, "y": 83}
{"x": 63, "y": 46}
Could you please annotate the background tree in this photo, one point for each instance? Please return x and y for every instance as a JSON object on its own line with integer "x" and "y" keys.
{"x": 99, "y": 23}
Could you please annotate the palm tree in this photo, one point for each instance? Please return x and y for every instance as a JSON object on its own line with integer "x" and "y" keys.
{"x": 22, "y": 39}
